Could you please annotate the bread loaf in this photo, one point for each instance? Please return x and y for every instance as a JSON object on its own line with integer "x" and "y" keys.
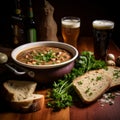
{"x": 114, "y": 74}
{"x": 91, "y": 85}
{"x": 17, "y": 90}
{"x": 33, "y": 103}
{"x": 20, "y": 96}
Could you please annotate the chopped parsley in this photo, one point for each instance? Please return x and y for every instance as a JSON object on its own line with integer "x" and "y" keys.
{"x": 80, "y": 83}
{"x": 62, "y": 90}
{"x": 116, "y": 74}
{"x": 98, "y": 78}
{"x": 40, "y": 57}
{"x": 88, "y": 89}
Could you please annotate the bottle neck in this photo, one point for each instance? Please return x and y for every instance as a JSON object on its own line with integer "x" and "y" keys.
{"x": 17, "y": 16}
{"x": 30, "y": 12}
{"x": 17, "y": 7}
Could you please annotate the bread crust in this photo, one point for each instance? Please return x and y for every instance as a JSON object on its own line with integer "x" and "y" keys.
{"x": 20, "y": 96}
{"x": 16, "y": 90}
{"x": 91, "y": 85}
{"x": 27, "y": 106}
{"x": 114, "y": 73}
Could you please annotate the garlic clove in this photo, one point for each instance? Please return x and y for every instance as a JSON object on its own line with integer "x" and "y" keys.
{"x": 110, "y": 56}
{"x": 110, "y": 62}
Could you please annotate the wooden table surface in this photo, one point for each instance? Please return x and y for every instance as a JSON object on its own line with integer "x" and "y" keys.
{"x": 91, "y": 112}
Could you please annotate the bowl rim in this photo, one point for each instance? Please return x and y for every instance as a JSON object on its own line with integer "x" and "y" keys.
{"x": 62, "y": 45}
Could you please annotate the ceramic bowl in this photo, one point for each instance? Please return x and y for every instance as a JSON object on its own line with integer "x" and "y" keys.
{"x": 47, "y": 73}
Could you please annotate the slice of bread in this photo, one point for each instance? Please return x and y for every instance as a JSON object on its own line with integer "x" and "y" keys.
{"x": 17, "y": 90}
{"x": 114, "y": 74}
{"x": 33, "y": 103}
{"x": 20, "y": 96}
{"x": 92, "y": 85}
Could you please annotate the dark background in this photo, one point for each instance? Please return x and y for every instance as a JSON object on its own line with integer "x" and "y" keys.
{"x": 87, "y": 10}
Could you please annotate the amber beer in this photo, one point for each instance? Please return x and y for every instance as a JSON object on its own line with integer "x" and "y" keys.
{"x": 70, "y": 30}
{"x": 102, "y": 31}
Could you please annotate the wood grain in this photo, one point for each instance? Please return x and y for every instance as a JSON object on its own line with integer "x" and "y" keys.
{"x": 77, "y": 112}
{"x": 43, "y": 114}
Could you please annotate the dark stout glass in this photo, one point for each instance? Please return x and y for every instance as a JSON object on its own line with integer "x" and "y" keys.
{"x": 102, "y": 32}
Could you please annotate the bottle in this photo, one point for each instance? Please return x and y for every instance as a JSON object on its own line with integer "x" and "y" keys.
{"x": 17, "y": 25}
{"x": 30, "y": 24}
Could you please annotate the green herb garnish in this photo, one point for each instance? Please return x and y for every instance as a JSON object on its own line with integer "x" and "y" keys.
{"x": 43, "y": 57}
{"x": 98, "y": 78}
{"x": 80, "y": 83}
{"x": 88, "y": 89}
{"x": 62, "y": 91}
{"x": 116, "y": 73}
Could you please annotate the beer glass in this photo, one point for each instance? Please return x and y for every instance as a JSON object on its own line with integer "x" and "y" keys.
{"x": 70, "y": 28}
{"x": 102, "y": 33}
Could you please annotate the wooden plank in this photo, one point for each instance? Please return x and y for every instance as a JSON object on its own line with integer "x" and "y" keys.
{"x": 96, "y": 111}
{"x": 76, "y": 112}
{"x": 43, "y": 114}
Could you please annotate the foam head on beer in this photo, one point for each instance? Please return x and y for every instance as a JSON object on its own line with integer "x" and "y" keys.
{"x": 103, "y": 24}
{"x": 71, "y": 23}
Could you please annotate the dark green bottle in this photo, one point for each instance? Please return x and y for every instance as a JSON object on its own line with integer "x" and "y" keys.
{"x": 30, "y": 24}
{"x": 17, "y": 25}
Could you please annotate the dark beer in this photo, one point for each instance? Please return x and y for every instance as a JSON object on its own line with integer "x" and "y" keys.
{"x": 102, "y": 31}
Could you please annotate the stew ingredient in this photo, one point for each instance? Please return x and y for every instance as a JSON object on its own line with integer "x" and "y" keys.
{"x": 44, "y": 55}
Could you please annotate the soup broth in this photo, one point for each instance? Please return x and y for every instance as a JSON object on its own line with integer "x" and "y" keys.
{"x": 44, "y": 55}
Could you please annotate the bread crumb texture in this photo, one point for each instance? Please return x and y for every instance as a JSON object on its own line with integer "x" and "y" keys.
{"x": 91, "y": 85}
{"x": 20, "y": 96}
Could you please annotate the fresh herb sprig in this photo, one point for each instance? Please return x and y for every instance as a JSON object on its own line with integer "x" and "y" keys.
{"x": 44, "y": 57}
{"x": 61, "y": 95}
{"x": 88, "y": 62}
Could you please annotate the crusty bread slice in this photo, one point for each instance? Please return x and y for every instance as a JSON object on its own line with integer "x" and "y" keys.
{"x": 114, "y": 74}
{"x": 18, "y": 90}
{"x": 20, "y": 96}
{"x": 91, "y": 85}
{"x": 33, "y": 103}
